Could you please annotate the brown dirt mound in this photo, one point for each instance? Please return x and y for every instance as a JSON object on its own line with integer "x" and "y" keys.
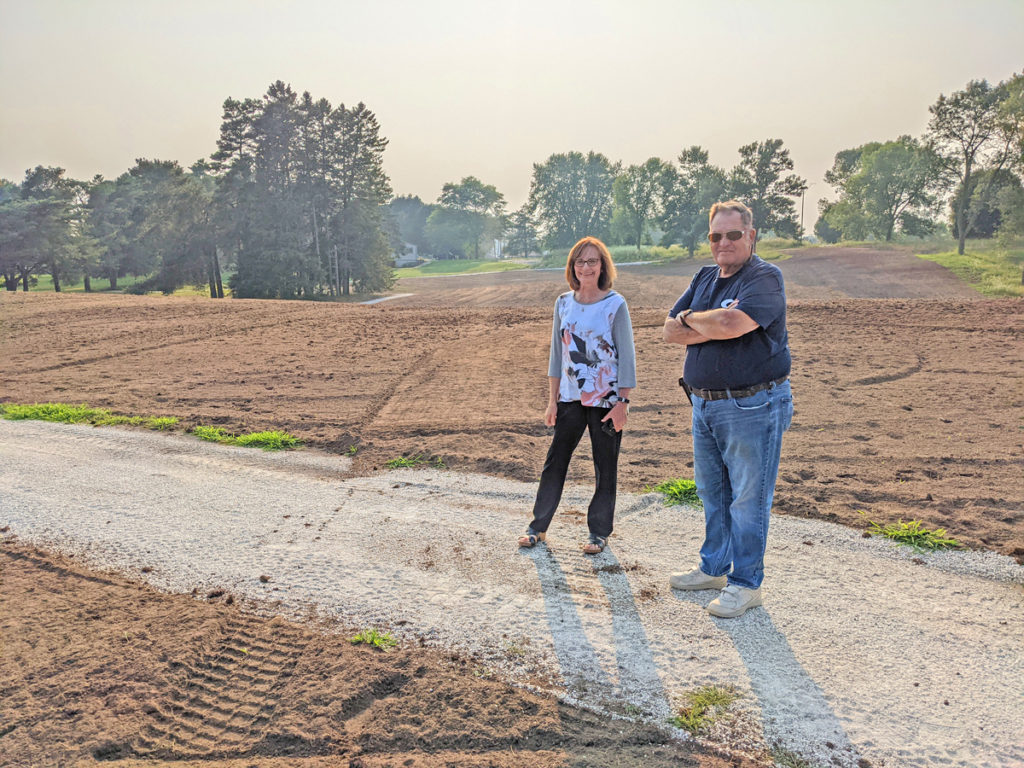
{"x": 97, "y": 670}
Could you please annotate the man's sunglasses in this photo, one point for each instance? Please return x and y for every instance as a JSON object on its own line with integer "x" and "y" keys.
{"x": 732, "y": 234}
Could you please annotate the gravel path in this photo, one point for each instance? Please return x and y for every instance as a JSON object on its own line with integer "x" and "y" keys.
{"x": 863, "y": 651}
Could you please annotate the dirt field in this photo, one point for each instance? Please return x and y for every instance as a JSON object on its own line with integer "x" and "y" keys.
{"x": 908, "y": 390}
{"x": 97, "y": 670}
{"x": 905, "y": 408}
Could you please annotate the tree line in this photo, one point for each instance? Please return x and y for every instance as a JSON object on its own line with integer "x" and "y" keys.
{"x": 295, "y": 202}
{"x": 292, "y": 202}
{"x": 971, "y": 158}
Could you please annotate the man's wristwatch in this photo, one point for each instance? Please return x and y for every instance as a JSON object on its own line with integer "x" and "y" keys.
{"x": 685, "y": 314}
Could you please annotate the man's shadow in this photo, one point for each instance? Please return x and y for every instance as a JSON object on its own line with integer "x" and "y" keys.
{"x": 784, "y": 689}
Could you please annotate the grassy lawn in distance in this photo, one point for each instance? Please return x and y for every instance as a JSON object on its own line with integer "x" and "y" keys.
{"x": 462, "y": 267}
{"x": 985, "y": 266}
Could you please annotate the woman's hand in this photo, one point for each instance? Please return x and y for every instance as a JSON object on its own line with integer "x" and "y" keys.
{"x": 550, "y": 414}
{"x": 618, "y": 414}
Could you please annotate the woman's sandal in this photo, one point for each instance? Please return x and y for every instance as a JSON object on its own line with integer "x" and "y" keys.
{"x": 531, "y": 537}
{"x": 595, "y": 544}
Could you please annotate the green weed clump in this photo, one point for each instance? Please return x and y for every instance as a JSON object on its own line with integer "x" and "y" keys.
{"x": 268, "y": 441}
{"x": 161, "y": 422}
{"x": 915, "y": 535}
{"x": 381, "y": 640}
{"x": 704, "y": 705}
{"x": 66, "y": 413}
{"x": 212, "y": 434}
{"x": 60, "y": 412}
{"x": 678, "y": 491}
{"x": 787, "y": 758}
{"x": 405, "y": 461}
{"x": 415, "y": 461}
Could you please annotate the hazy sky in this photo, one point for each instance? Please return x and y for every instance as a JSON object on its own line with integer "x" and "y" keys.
{"x": 486, "y": 89}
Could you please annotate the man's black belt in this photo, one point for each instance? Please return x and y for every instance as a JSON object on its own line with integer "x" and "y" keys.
{"x": 726, "y": 394}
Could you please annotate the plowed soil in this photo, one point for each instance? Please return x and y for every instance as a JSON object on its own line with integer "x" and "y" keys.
{"x": 908, "y": 389}
{"x": 97, "y": 670}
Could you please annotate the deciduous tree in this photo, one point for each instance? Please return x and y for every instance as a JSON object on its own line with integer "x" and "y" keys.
{"x": 467, "y": 211}
{"x": 883, "y": 186}
{"x": 968, "y": 135}
{"x": 522, "y": 233}
{"x": 571, "y": 196}
{"x": 759, "y": 181}
{"x": 639, "y": 197}
{"x": 689, "y": 194}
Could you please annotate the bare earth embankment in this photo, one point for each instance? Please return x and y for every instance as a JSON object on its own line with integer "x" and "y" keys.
{"x": 908, "y": 392}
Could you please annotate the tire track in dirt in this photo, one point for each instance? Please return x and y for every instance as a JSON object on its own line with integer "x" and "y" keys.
{"x": 378, "y": 405}
{"x": 896, "y": 376}
{"x": 223, "y": 705}
{"x": 155, "y": 347}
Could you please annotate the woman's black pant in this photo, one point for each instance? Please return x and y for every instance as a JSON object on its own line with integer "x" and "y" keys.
{"x": 572, "y": 419}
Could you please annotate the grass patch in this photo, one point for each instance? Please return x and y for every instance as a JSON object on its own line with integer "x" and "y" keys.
{"x": 704, "y": 705}
{"x": 624, "y": 254}
{"x": 677, "y": 491}
{"x": 268, "y": 441}
{"x": 913, "y": 534}
{"x": 380, "y": 640}
{"x": 772, "y": 249}
{"x": 987, "y": 268}
{"x": 787, "y": 758}
{"x": 405, "y": 461}
{"x": 211, "y": 434}
{"x": 415, "y": 461}
{"x": 462, "y": 267}
{"x": 66, "y": 413}
{"x": 43, "y": 283}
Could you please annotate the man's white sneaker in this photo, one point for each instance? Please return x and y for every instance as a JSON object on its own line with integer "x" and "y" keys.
{"x": 696, "y": 579}
{"x": 734, "y": 601}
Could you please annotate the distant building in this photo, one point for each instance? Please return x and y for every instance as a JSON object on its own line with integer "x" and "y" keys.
{"x": 408, "y": 257}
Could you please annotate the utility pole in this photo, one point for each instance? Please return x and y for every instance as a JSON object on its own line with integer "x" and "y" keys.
{"x": 802, "y": 214}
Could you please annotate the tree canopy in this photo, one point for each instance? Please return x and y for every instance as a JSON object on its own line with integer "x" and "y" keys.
{"x": 571, "y": 196}
{"x": 467, "y": 213}
{"x": 883, "y": 187}
{"x": 970, "y": 131}
{"x": 759, "y": 181}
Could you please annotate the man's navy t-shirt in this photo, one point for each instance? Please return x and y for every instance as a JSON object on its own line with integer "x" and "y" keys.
{"x": 753, "y": 358}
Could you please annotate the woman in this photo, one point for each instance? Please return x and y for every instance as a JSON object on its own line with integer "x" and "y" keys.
{"x": 592, "y": 370}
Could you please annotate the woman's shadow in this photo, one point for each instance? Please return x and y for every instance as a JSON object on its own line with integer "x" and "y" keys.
{"x": 634, "y": 686}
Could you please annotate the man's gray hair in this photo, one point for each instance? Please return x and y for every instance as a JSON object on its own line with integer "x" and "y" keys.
{"x": 746, "y": 215}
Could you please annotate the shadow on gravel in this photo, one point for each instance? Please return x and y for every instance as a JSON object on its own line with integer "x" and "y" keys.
{"x": 783, "y": 687}
{"x": 638, "y": 684}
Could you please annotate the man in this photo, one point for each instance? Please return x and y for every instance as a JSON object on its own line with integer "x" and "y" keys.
{"x": 732, "y": 320}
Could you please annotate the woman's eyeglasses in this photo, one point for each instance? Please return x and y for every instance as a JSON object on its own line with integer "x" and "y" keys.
{"x": 587, "y": 262}
{"x": 732, "y": 234}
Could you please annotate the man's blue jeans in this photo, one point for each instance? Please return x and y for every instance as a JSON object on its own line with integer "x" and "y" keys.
{"x": 736, "y": 447}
